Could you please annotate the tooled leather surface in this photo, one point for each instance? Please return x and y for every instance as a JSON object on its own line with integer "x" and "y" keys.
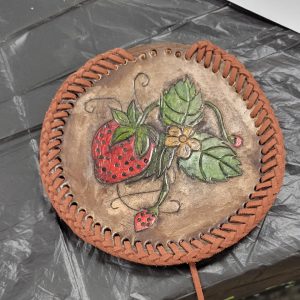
{"x": 210, "y": 243}
{"x": 192, "y": 206}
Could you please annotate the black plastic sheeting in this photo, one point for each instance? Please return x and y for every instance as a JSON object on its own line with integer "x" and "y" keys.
{"x": 41, "y": 42}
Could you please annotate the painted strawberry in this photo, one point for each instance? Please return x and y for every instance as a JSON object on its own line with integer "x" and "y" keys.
{"x": 143, "y": 220}
{"x": 122, "y": 148}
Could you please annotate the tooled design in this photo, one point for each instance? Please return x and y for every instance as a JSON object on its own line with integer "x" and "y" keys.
{"x": 226, "y": 234}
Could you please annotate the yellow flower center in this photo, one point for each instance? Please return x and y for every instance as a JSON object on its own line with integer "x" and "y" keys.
{"x": 183, "y": 138}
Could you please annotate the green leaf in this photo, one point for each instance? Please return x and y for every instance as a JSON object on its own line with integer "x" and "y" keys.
{"x": 216, "y": 161}
{"x": 150, "y": 170}
{"x": 152, "y": 133}
{"x": 181, "y": 104}
{"x": 164, "y": 160}
{"x": 142, "y": 142}
{"x": 133, "y": 112}
{"x": 120, "y": 117}
{"x": 160, "y": 161}
{"x": 122, "y": 133}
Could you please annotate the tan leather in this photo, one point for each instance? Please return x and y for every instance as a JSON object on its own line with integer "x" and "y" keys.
{"x": 202, "y": 205}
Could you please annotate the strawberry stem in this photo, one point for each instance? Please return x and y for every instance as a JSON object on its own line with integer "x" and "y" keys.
{"x": 218, "y": 114}
{"x": 165, "y": 188}
{"x": 146, "y": 112}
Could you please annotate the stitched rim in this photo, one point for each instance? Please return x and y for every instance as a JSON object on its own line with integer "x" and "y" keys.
{"x": 210, "y": 243}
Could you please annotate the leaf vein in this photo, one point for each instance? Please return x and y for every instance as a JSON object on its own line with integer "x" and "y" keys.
{"x": 181, "y": 113}
{"x": 200, "y": 166}
{"x": 179, "y": 95}
{"x": 172, "y": 121}
{"x": 219, "y": 147}
{"x": 220, "y": 159}
{"x": 224, "y": 172}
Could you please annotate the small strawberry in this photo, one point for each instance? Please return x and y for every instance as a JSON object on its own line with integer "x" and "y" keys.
{"x": 143, "y": 220}
{"x": 122, "y": 148}
{"x": 237, "y": 141}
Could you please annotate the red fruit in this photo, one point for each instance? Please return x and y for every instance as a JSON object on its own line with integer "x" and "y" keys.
{"x": 143, "y": 220}
{"x": 118, "y": 162}
{"x": 238, "y": 141}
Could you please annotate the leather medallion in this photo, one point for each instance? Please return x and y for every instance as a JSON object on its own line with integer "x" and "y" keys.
{"x": 162, "y": 144}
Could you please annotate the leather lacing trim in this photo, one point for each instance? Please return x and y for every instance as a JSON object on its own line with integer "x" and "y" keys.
{"x": 210, "y": 243}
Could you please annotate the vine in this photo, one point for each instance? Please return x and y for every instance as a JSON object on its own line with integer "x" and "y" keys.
{"x": 128, "y": 148}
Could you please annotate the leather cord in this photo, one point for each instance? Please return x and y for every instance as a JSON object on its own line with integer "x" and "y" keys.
{"x": 196, "y": 281}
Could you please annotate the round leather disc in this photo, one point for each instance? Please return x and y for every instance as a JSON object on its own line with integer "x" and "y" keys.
{"x": 163, "y": 153}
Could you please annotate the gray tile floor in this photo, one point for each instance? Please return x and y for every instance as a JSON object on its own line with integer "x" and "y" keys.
{"x": 290, "y": 291}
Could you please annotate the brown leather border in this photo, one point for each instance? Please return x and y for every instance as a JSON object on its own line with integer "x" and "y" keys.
{"x": 210, "y": 243}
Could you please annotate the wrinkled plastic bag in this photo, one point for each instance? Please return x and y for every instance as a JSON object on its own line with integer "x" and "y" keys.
{"x": 41, "y": 42}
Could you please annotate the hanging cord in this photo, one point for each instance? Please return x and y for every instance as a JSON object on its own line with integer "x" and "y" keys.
{"x": 196, "y": 281}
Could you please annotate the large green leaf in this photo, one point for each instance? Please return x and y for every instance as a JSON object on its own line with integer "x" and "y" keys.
{"x": 181, "y": 104}
{"x": 215, "y": 162}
